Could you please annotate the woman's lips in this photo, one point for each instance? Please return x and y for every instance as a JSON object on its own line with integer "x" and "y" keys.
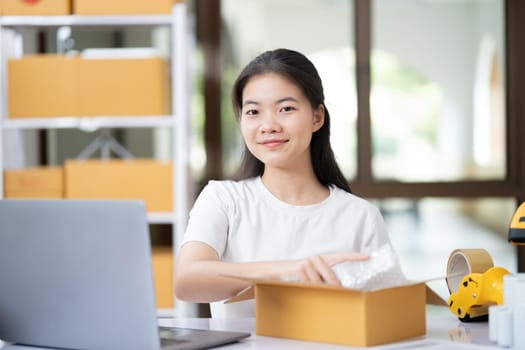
{"x": 272, "y": 143}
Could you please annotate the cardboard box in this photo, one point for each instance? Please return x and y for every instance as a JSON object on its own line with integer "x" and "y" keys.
{"x": 35, "y": 7}
{"x": 144, "y": 179}
{"x": 38, "y": 182}
{"x": 122, "y": 7}
{"x": 339, "y": 315}
{"x": 162, "y": 259}
{"x": 59, "y": 86}
{"x": 42, "y": 86}
{"x": 123, "y": 87}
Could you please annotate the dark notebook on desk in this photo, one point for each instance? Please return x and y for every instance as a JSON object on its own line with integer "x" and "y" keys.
{"x": 77, "y": 274}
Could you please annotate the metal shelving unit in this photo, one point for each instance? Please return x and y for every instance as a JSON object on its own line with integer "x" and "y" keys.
{"x": 89, "y": 124}
{"x": 76, "y": 20}
{"x": 178, "y": 122}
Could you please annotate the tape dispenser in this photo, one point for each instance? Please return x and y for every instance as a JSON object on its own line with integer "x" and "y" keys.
{"x": 474, "y": 284}
{"x": 517, "y": 226}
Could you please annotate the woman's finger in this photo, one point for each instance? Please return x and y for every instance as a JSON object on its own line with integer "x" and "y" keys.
{"x": 324, "y": 270}
{"x": 312, "y": 271}
{"x": 337, "y": 258}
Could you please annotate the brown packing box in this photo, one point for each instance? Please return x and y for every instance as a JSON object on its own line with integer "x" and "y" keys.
{"x": 38, "y": 182}
{"x": 162, "y": 260}
{"x": 122, "y": 7}
{"x": 339, "y": 315}
{"x": 41, "y": 86}
{"x": 35, "y": 7}
{"x": 123, "y": 86}
{"x": 144, "y": 179}
{"x": 60, "y": 86}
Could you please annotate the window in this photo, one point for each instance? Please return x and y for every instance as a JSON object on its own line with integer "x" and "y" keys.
{"x": 323, "y": 30}
{"x": 437, "y": 96}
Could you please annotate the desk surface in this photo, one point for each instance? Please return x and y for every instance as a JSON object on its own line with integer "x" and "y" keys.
{"x": 444, "y": 331}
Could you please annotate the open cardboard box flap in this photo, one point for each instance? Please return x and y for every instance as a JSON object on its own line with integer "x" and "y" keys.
{"x": 432, "y": 298}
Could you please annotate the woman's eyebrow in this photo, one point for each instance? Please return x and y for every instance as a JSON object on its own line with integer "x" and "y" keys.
{"x": 281, "y": 100}
{"x": 286, "y": 99}
{"x": 250, "y": 102}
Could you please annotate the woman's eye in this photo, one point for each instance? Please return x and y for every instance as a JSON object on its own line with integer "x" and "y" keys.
{"x": 287, "y": 109}
{"x": 251, "y": 112}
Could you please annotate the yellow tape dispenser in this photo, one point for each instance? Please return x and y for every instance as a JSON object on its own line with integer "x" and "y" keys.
{"x": 476, "y": 293}
{"x": 474, "y": 284}
{"x": 517, "y": 226}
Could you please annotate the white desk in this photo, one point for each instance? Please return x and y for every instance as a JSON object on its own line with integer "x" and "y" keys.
{"x": 444, "y": 331}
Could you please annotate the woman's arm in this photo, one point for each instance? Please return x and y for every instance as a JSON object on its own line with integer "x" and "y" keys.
{"x": 200, "y": 275}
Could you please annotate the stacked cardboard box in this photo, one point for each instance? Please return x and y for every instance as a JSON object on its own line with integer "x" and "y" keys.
{"x": 70, "y": 86}
{"x": 121, "y": 7}
{"x": 145, "y": 179}
{"x": 84, "y": 7}
{"x": 162, "y": 260}
{"x": 35, "y": 7}
{"x": 37, "y": 182}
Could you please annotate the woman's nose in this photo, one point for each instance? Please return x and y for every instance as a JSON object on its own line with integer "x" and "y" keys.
{"x": 270, "y": 124}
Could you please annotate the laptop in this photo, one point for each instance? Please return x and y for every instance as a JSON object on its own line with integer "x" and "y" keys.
{"x": 77, "y": 274}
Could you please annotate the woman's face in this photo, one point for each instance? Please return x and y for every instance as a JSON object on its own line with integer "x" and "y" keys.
{"x": 277, "y": 121}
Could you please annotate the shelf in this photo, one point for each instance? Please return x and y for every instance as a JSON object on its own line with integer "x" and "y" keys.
{"x": 161, "y": 217}
{"x": 90, "y": 123}
{"x": 177, "y": 123}
{"x": 77, "y": 20}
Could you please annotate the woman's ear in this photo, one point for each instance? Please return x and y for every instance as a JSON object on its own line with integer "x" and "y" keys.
{"x": 318, "y": 121}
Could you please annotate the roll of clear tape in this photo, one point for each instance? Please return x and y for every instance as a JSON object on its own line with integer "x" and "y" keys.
{"x": 461, "y": 262}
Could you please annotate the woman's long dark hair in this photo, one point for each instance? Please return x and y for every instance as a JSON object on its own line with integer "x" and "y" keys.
{"x": 295, "y": 67}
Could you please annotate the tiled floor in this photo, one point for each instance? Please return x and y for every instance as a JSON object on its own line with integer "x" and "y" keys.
{"x": 424, "y": 241}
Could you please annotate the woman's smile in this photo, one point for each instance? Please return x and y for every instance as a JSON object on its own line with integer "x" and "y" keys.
{"x": 272, "y": 143}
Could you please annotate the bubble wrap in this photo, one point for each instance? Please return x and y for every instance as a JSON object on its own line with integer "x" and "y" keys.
{"x": 381, "y": 270}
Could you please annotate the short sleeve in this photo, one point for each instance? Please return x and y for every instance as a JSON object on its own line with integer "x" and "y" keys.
{"x": 376, "y": 233}
{"x": 208, "y": 220}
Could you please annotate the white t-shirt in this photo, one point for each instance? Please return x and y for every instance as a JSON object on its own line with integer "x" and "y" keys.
{"x": 243, "y": 221}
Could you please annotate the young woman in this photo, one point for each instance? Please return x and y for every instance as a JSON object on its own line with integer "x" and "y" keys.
{"x": 291, "y": 213}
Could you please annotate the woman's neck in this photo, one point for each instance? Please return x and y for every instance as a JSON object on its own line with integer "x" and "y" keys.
{"x": 296, "y": 188}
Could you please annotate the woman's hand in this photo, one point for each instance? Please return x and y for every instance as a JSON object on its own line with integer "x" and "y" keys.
{"x": 318, "y": 268}
{"x": 201, "y": 277}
